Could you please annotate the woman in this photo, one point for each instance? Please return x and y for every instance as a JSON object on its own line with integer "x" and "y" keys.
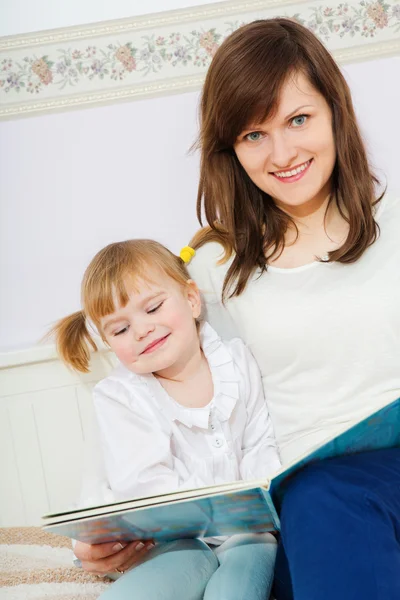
{"x": 312, "y": 285}
{"x": 301, "y": 260}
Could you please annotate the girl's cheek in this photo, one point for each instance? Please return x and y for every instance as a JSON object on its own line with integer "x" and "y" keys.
{"x": 181, "y": 318}
{"x": 123, "y": 353}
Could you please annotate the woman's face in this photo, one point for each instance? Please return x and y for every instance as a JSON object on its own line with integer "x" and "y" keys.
{"x": 292, "y": 155}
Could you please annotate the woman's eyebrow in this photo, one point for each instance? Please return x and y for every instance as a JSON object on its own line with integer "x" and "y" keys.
{"x": 297, "y": 109}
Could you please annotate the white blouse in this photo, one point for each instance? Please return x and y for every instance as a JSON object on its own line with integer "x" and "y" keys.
{"x": 153, "y": 445}
{"x": 326, "y": 336}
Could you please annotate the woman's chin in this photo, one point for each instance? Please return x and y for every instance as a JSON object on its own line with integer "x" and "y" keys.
{"x": 301, "y": 200}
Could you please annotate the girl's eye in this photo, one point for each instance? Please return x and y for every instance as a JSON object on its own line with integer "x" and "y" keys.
{"x": 155, "y": 309}
{"x": 254, "y": 136}
{"x": 121, "y": 331}
{"x": 299, "y": 120}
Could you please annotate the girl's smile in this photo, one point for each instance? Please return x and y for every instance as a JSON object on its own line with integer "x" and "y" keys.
{"x": 156, "y": 344}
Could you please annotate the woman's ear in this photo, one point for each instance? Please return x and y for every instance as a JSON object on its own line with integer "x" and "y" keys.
{"x": 194, "y": 298}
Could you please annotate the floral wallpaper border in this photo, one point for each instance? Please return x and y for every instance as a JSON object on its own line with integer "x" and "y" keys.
{"x": 170, "y": 52}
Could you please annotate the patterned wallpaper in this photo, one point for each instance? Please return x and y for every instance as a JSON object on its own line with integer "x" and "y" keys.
{"x": 169, "y": 52}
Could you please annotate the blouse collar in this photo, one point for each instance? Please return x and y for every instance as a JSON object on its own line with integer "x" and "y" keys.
{"x": 225, "y": 381}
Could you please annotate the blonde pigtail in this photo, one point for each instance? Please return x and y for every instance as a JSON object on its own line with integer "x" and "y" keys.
{"x": 74, "y": 341}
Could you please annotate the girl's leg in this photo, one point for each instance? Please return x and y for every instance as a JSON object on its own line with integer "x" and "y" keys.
{"x": 171, "y": 571}
{"x": 246, "y": 568}
{"x": 341, "y": 528}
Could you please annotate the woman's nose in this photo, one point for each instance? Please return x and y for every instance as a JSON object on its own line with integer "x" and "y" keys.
{"x": 283, "y": 152}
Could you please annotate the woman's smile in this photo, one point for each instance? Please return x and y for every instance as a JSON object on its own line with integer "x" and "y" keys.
{"x": 294, "y": 174}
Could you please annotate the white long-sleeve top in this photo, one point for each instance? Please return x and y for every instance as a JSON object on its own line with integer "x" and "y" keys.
{"x": 153, "y": 445}
{"x": 326, "y": 336}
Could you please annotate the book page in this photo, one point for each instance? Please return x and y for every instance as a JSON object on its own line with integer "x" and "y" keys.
{"x": 137, "y": 503}
{"x": 243, "y": 511}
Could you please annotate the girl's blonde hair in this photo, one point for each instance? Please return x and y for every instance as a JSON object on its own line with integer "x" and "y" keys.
{"x": 104, "y": 283}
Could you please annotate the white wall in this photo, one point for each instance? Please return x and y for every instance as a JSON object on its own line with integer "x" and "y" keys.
{"x": 73, "y": 182}
{"x": 24, "y": 16}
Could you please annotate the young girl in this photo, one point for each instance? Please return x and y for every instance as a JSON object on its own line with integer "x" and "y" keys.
{"x": 183, "y": 409}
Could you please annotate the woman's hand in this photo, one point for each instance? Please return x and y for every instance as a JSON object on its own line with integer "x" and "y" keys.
{"x": 100, "y": 559}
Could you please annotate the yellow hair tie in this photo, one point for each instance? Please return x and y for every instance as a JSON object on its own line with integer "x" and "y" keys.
{"x": 187, "y": 254}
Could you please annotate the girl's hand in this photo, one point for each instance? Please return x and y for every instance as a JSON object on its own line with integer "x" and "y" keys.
{"x": 100, "y": 559}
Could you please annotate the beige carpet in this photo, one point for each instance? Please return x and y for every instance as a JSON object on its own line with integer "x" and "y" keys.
{"x": 35, "y": 565}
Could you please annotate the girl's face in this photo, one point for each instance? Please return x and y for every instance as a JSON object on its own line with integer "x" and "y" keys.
{"x": 156, "y": 330}
{"x": 292, "y": 155}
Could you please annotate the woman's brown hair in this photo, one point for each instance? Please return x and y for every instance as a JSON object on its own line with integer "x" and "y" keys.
{"x": 110, "y": 276}
{"x": 242, "y": 86}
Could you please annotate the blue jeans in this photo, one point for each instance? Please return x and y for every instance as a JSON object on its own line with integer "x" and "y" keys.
{"x": 240, "y": 569}
{"x": 341, "y": 530}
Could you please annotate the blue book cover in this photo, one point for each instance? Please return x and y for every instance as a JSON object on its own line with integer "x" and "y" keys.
{"x": 237, "y": 507}
{"x": 379, "y": 430}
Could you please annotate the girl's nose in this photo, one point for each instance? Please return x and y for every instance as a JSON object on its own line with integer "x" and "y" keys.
{"x": 143, "y": 329}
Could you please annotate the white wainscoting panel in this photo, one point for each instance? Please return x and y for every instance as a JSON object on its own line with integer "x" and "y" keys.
{"x": 45, "y": 414}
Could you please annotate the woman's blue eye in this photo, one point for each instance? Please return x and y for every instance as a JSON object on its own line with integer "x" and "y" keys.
{"x": 254, "y": 136}
{"x": 299, "y": 120}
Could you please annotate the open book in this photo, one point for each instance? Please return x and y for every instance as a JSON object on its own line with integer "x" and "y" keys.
{"x": 237, "y": 507}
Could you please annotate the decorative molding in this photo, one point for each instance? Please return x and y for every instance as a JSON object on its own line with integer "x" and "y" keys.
{"x": 169, "y": 52}
{"x": 149, "y": 22}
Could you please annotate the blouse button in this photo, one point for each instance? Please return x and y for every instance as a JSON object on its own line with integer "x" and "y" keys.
{"x": 212, "y": 426}
{"x": 218, "y": 443}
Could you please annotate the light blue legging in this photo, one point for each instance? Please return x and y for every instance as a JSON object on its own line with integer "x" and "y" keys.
{"x": 241, "y": 568}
